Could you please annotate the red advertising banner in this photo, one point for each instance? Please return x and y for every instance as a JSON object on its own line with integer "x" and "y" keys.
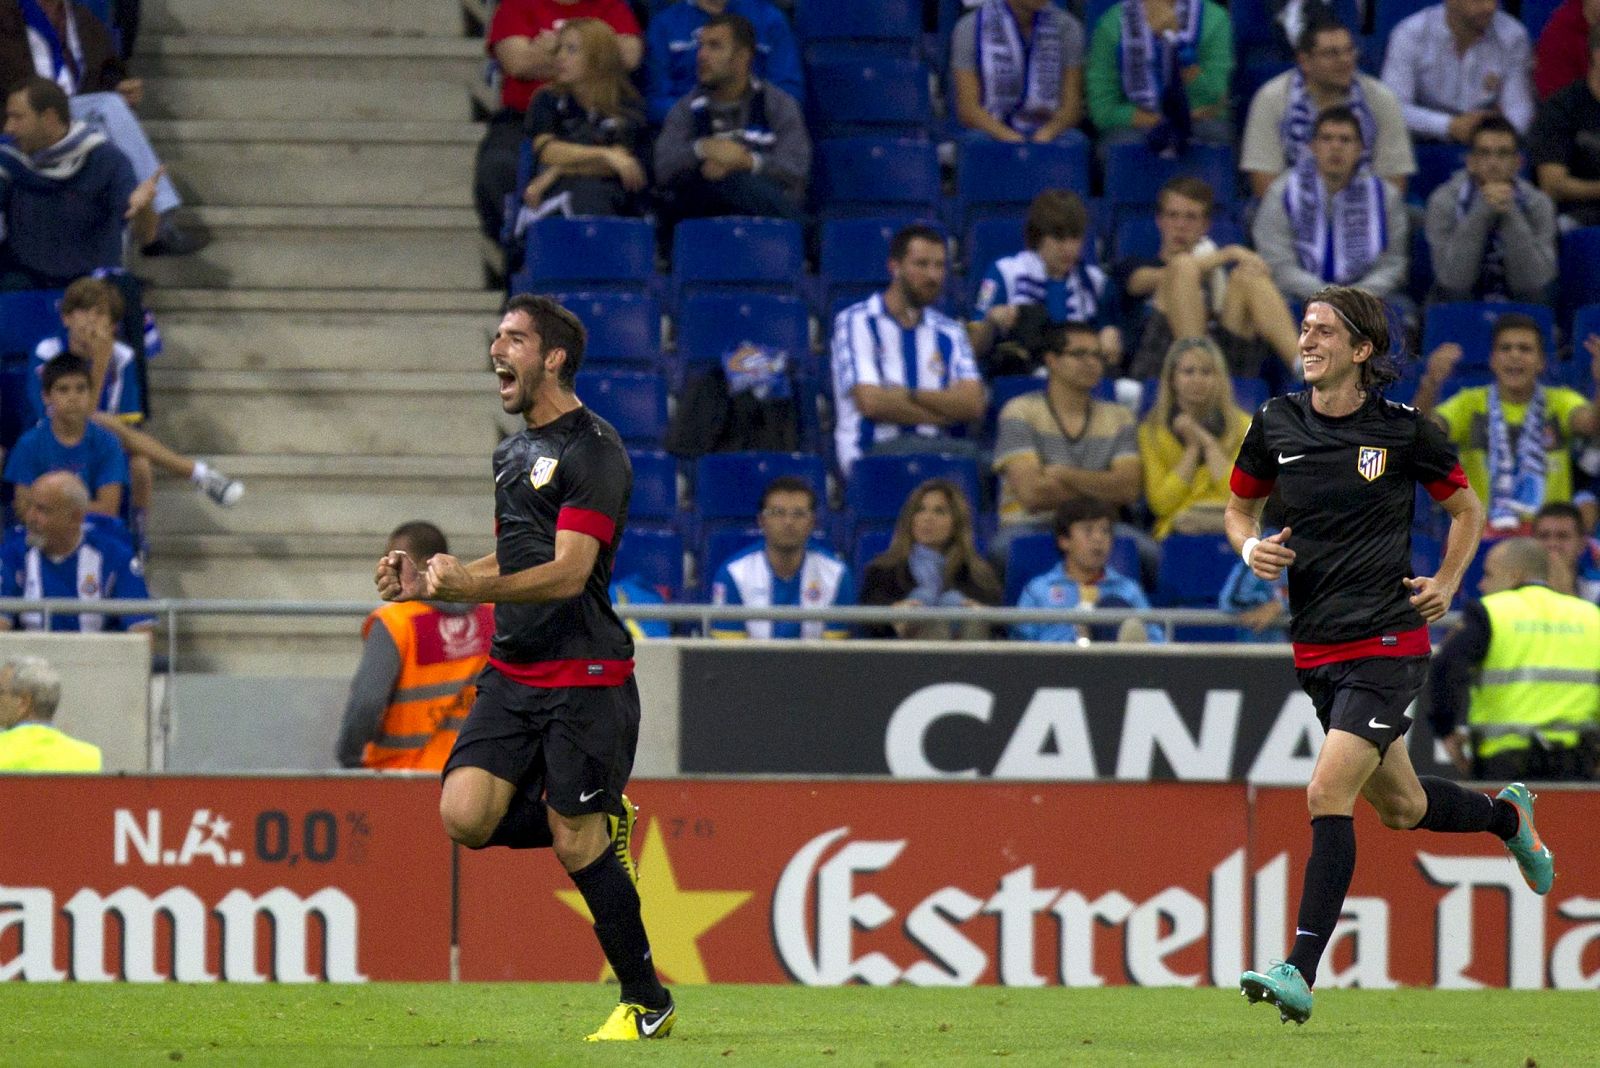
{"x": 882, "y": 882}
{"x": 1442, "y": 910}
{"x": 222, "y": 879}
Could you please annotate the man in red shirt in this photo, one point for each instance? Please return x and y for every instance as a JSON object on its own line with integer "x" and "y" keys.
{"x": 1561, "y": 56}
{"x": 522, "y": 41}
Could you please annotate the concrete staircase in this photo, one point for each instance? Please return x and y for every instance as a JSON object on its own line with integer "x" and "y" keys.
{"x": 330, "y": 346}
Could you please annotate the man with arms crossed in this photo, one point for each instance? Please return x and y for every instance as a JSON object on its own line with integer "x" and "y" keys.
{"x": 544, "y": 754}
{"x": 1344, "y": 461}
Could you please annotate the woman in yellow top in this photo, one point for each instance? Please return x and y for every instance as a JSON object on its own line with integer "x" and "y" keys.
{"x": 1188, "y": 441}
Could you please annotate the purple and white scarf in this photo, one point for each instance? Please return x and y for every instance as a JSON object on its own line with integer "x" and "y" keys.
{"x": 1300, "y": 116}
{"x": 1019, "y": 84}
{"x": 1336, "y": 238}
{"x": 1143, "y": 58}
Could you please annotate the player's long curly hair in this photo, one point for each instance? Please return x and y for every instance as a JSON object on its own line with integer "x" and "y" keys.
{"x": 962, "y": 561}
{"x": 605, "y": 86}
{"x": 1367, "y": 319}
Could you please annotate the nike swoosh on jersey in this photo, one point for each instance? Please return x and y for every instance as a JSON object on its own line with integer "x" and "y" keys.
{"x": 1375, "y": 725}
{"x": 590, "y": 796}
{"x": 1282, "y": 459}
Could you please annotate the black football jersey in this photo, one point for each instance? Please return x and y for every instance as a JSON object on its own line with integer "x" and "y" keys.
{"x": 1347, "y": 489}
{"x": 570, "y": 474}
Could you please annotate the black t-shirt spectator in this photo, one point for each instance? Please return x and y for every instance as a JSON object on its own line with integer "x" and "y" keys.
{"x": 1567, "y": 131}
{"x": 559, "y": 115}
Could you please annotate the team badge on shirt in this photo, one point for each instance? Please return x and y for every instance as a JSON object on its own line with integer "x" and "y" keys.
{"x": 544, "y": 469}
{"x": 1370, "y": 462}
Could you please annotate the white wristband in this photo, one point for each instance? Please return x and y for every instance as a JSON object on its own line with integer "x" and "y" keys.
{"x": 1248, "y": 548}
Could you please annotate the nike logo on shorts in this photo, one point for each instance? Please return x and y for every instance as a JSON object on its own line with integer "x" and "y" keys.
{"x": 1282, "y": 459}
{"x": 584, "y": 799}
{"x": 1375, "y": 725}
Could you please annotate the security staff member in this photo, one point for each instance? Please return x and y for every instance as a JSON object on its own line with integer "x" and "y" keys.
{"x": 416, "y": 680}
{"x": 1534, "y": 709}
{"x": 30, "y": 689}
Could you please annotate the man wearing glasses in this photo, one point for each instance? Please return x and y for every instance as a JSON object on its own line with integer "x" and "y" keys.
{"x": 1277, "y": 131}
{"x": 1492, "y": 234}
{"x": 784, "y": 569}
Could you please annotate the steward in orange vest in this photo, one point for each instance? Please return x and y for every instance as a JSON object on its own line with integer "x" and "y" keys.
{"x": 415, "y": 685}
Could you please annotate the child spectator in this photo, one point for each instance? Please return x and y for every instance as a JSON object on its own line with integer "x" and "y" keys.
{"x": 68, "y": 441}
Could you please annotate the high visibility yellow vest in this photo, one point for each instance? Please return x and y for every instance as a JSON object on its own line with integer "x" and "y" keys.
{"x": 40, "y": 747}
{"x": 1542, "y": 671}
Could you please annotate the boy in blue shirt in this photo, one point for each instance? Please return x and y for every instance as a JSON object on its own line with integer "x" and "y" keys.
{"x": 1083, "y": 580}
{"x": 68, "y": 441}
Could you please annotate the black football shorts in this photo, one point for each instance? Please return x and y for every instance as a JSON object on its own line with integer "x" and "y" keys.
{"x": 573, "y": 746}
{"x": 1366, "y": 697}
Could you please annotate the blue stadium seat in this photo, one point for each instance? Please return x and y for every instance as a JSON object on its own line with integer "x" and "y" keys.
{"x": 712, "y": 324}
{"x": 1390, "y": 13}
{"x": 729, "y": 485}
{"x": 1002, "y": 389}
{"x": 586, "y": 251}
{"x": 655, "y": 486}
{"x": 1027, "y": 557}
{"x": 624, "y": 328}
{"x": 869, "y": 545}
{"x": 1193, "y": 569}
{"x": 994, "y": 176}
{"x": 832, "y": 27}
{"x": 1426, "y": 552}
{"x": 855, "y": 254}
{"x": 654, "y": 556}
{"x": 27, "y": 317}
{"x": 1134, "y": 175}
{"x": 1250, "y": 393}
{"x": 989, "y": 238}
{"x": 1535, "y": 13}
{"x": 879, "y": 485}
{"x": 1436, "y": 162}
{"x": 632, "y": 401}
{"x": 1577, "y": 372}
{"x": 737, "y": 251}
{"x": 876, "y": 176}
{"x": 1470, "y": 324}
{"x": 874, "y": 95}
{"x": 1580, "y": 267}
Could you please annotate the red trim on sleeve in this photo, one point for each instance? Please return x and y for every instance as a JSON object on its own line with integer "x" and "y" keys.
{"x": 1410, "y": 643}
{"x": 1446, "y": 486}
{"x": 597, "y": 525}
{"x": 552, "y": 674}
{"x": 1244, "y": 484}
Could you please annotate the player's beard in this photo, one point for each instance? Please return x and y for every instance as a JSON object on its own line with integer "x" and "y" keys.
{"x": 527, "y": 389}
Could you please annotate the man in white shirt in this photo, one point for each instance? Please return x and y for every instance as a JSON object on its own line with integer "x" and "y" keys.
{"x": 1454, "y": 63}
{"x": 903, "y": 372}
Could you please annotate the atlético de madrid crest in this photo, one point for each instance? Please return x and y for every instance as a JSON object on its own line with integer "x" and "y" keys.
{"x": 1370, "y": 462}
{"x": 544, "y": 469}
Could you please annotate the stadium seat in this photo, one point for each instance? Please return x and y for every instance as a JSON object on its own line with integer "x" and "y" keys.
{"x": 1578, "y": 372}
{"x": 989, "y": 238}
{"x": 1436, "y": 162}
{"x": 872, "y": 95}
{"x": 1580, "y": 267}
{"x": 655, "y": 486}
{"x": 1002, "y": 389}
{"x": 855, "y": 255}
{"x": 869, "y": 545}
{"x": 1390, "y": 13}
{"x": 28, "y": 316}
{"x": 1470, "y": 324}
{"x": 1193, "y": 569}
{"x": 1535, "y": 13}
{"x": 1134, "y": 175}
{"x": 712, "y": 324}
{"x": 586, "y": 251}
{"x": 654, "y": 556}
{"x": 994, "y": 176}
{"x": 632, "y": 401}
{"x": 1027, "y": 557}
{"x": 729, "y": 485}
{"x": 876, "y": 176}
{"x": 737, "y": 251}
{"x": 624, "y": 328}
{"x": 1249, "y": 393}
{"x": 879, "y": 485}
{"x": 828, "y": 28}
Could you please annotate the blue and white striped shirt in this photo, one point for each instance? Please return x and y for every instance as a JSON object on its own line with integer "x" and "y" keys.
{"x": 871, "y": 348}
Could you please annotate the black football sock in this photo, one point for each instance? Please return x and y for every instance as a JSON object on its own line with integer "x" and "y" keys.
{"x": 1454, "y": 808}
{"x": 526, "y": 825}
{"x": 1327, "y": 880}
{"x": 614, "y": 904}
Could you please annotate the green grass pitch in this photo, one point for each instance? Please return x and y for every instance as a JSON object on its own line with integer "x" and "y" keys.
{"x": 544, "y": 1024}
